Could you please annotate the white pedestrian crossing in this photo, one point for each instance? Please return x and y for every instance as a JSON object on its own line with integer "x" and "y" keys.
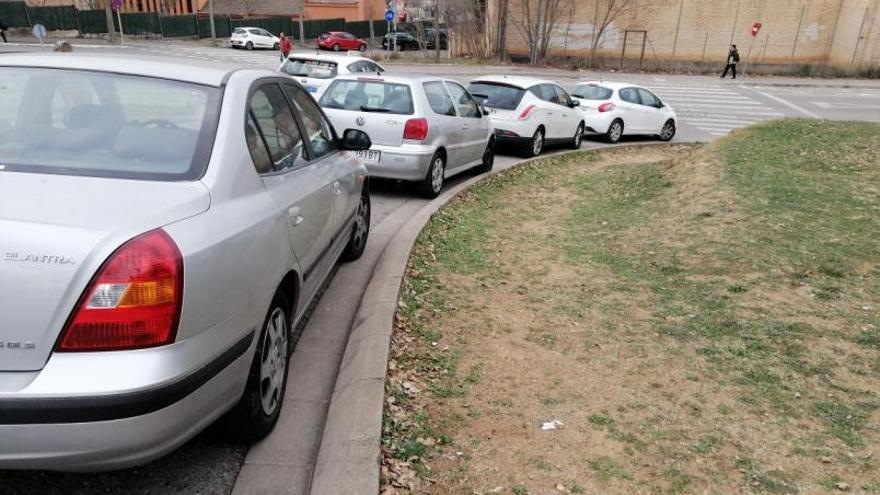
{"x": 714, "y": 109}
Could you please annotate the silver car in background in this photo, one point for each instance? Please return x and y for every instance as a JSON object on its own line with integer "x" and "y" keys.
{"x": 423, "y": 129}
{"x": 163, "y": 226}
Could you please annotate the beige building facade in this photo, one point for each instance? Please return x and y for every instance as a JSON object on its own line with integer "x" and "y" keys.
{"x": 838, "y": 32}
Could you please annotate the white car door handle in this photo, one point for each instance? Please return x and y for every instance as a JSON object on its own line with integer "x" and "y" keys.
{"x": 295, "y": 217}
{"x": 336, "y": 189}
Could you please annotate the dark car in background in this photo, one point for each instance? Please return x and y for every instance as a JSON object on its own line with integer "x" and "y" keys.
{"x": 405, "y": 41}
{"x": 431, "y": 38}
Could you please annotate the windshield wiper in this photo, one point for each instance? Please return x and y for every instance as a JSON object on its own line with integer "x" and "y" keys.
{"x": 365, "y": 108}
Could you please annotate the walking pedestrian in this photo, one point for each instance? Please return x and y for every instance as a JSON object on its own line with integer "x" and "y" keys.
{"x": 3, "y": 29}
{"x": 732, "y": 60}
{"x": 286, "y": 47}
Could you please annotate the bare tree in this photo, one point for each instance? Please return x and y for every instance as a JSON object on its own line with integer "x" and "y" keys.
{"x": 466, "y": 25}
{"x": 536, "y": 22}
{"x": 501, "y": 29}
{"x": 604, "y": 16}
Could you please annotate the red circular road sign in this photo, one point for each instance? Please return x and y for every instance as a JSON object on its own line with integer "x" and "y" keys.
{"x": 755, "y": 28}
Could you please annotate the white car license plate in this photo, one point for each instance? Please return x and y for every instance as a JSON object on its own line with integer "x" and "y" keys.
{"x": 312, "y": 89}
{"x": 369, "y": 157}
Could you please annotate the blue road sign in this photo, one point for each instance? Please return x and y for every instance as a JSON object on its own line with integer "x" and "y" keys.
{"x": 389, "y": 15}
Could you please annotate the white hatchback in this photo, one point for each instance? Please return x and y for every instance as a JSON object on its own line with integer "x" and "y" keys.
{"x": 617, "y": 109}
{"x": 316, "y": 72}
{"x": 529, "y": 113}
{"x": 253, "y": 37}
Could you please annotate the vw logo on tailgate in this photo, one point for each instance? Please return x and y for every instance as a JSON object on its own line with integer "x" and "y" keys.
{"x": 360, "y": 121}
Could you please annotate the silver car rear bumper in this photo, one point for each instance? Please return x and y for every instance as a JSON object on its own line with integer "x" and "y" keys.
{"x": 124, "y": 429}
{"x": 407, "y": 162}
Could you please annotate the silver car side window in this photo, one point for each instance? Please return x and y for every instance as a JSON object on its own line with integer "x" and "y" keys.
{"x": 277, "y": 126}
{"x": 439, "y": 99}
{"x": 317, "y": 128}
{"x": 466, "y": 105}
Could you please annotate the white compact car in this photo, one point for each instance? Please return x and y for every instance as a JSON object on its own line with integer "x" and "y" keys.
{"x": 616, "y": 109}
{"x": 529, "y": 113}
{"x": 316, "y": 72}
{"x": 423, "y": 129}
{"x": 253, "y": 37}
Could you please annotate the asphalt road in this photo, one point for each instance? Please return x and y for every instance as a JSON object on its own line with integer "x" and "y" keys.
{"x": 708, "y": 108}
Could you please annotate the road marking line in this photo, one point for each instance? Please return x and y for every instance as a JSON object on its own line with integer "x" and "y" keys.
{"x": 786, "y": 103}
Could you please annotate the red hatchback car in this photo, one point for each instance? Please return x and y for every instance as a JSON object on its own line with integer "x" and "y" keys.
{"x": 338, "y": 40}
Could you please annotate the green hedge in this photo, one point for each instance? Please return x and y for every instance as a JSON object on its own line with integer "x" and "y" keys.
{"x": 14, "y": 14}
{"x": 177, "y": 26}
{"x": 55, "y": 18}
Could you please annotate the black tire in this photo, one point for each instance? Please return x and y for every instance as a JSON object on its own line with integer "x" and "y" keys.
{"x": 363, "y": 47}
{"x": 488, "y": 160}
{"x": 578, "y": 137}
{"x": 615, "y": 131}
{"x": 432, "y": 184}
{"x": 360, "y": 232}
{"x": 276, "y": 46}
{"x": 535, "y": 145}
{"x": 668, "y": 131}
{"x": 249, "y": 420}
{"x": 249, "y": 46}
{"x": 336, "y": 47}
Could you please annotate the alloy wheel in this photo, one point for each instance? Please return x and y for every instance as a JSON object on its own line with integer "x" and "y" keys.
{"x": 362, "y": 223}
{"x": 668, "y": 131}
{"x": 537, "y": 143}
{"x": 616, "y": 131}
{"x": 437, "y": 175}
{"x": 273, "y": 361}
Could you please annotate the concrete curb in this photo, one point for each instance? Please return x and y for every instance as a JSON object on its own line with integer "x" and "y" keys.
{"x": 349, "y": 456}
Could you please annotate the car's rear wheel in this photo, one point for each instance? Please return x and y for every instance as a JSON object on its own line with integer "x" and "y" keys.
{"x": 249, "y": 46}
{"x": 668, "y": 131}
{"x": 276, "y": 46}
{"x": 257, "y": 411}
{"x": 432, "y": 184}
{"x": 488, "y": 159}
{"x": 536, "y": 145}
{"x": 360, "y": 232}
{"x": 615, "y": 131}
{"x": 578, "y": 137}
{"x": 336, "y": 47}
{"x": 363, "y": 47}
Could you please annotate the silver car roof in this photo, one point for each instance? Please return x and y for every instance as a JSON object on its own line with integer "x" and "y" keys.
{"x": 173, "y": 68}
{"x": 396, "y": 78}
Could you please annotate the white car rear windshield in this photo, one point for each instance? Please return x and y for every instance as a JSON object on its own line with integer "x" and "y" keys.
{"x": 369, "y": 96}
{"x": 303, "y": 67}
{"x": 592, "y": 92}
{"x": 496, "y": 95}
{"x": 89, "y": 123}
{"x": 239, "y": 31}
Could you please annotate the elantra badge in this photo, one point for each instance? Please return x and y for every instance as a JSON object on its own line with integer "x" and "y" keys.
{"x": 16, "y": 345}
{"x": 47, "y": 259}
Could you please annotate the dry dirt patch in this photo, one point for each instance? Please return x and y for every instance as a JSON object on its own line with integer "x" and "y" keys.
{"x": 653, "y": 303}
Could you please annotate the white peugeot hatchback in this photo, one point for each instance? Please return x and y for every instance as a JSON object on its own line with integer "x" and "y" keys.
{"x": 316, "y": 72}
{"x": 529, "y": 113}
{"x": 616, "y": 109}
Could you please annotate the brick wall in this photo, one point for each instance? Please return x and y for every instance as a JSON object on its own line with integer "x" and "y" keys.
{"x": 816, "y": 30}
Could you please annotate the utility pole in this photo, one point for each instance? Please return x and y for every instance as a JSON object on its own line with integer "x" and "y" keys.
{"x": 302, "y": 29}
{"x": 108, "y": 11}
{"x": 797, "y": 33}
{"x": 677, "y": 27}
{"x": 437, "y": 32}
{"x": 211, "y": 16}
{"x": 735, "y": 19}
{"x": 859, "y": 38}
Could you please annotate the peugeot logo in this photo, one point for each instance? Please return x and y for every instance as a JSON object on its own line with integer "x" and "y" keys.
{"x": 360, "y": 121}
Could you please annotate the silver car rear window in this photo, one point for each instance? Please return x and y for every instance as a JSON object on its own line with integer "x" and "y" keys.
{"x": 592, "y": 92}
{"x": 108, "y": 125}
{"x": 369, "y": 95}
{"x": 303, "y": 67}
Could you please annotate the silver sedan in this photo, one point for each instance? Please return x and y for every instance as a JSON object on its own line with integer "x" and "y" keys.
{"x": 423, "y": 129}
{"x": 163, "y": 226}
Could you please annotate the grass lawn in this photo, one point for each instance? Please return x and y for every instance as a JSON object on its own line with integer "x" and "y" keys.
{"x": 700, "y": 319}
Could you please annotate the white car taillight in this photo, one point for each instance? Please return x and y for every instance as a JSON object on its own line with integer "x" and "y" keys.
{"x": 134, "y": 300}
{"x": 527, "y": 111}
{"x": 606, "y": 107}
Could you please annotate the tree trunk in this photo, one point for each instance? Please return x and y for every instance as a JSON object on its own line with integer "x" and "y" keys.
{"x": 437, "y": 36}
{"x": 108, "y": 10}
{"x": 502, "y": 29}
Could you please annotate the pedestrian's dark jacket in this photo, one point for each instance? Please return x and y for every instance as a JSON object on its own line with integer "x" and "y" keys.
{"x": 3, "y": 27}
{"x": 733, "y": 56}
